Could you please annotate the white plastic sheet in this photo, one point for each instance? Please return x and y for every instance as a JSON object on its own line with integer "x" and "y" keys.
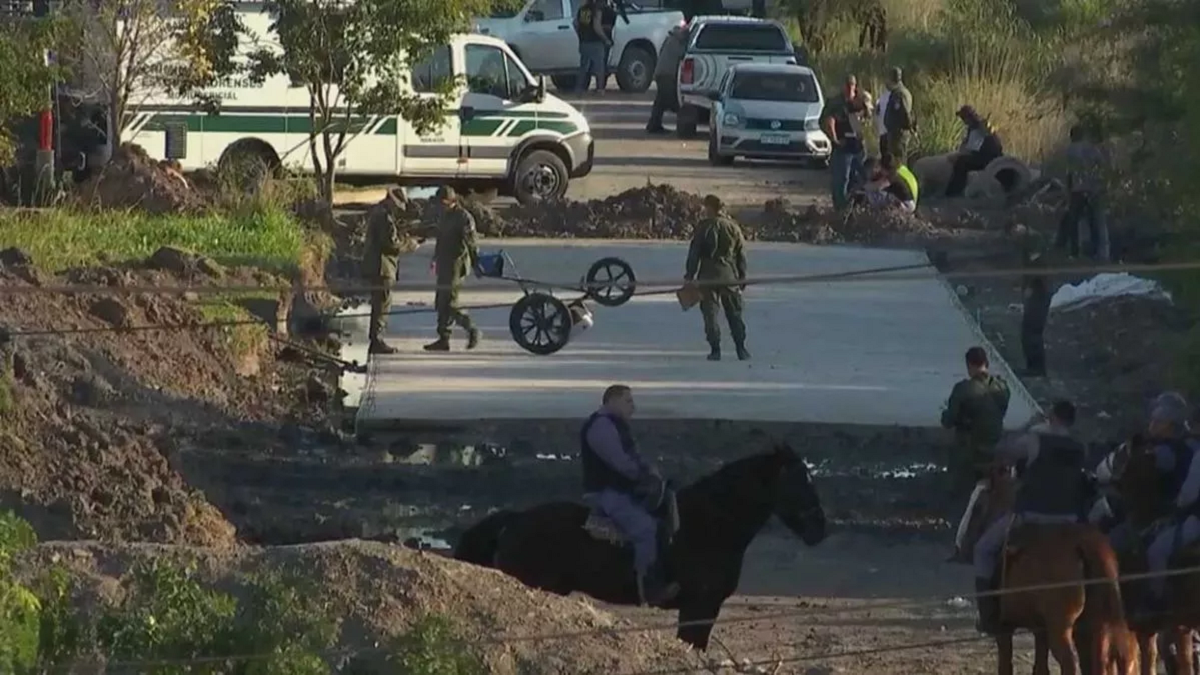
{"x": 1102, "y": 286}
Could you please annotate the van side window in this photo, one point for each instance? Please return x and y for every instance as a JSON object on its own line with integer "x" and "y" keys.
{"x": 545, "y": 10}
{"x": 432, "y": 71}
{"x": 517, "y": 82}
{"x": 486, "y": 72}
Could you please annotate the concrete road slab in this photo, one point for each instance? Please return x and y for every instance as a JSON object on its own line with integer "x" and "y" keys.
{"x": 877, "y": 351}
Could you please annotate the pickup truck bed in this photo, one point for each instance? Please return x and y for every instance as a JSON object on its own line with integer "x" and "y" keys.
{"x": 716, "y": 44}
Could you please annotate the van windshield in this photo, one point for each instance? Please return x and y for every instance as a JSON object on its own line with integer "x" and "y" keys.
{"x": 790, "y": 87}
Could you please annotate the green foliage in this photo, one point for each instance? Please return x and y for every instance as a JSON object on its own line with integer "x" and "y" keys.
{"x": 62, "y": 634}
{"x": 267, "y": 237}
{"x": 166, "y": 614}
{"x": 287, "y": 617}
{"x": 19, "y": 608}
{"x": 433, "y": 647}
{"x": 25, "y": 79}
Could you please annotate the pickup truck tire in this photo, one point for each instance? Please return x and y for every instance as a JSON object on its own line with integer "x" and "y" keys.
{"x": 635, "y": 72}
{"x": 685, "y": 121}
{"x": 714, "y": 157}
{"x": 564, "y": 83}
{"x": 540, "y": 176}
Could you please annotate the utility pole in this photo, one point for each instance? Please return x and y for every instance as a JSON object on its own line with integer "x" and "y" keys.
{"x": 44, "y": 160}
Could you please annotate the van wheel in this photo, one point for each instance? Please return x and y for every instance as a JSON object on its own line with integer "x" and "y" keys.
{"x": 714, "y": 157}
{"x": 248, "y": 164}
{"x": 564, "y": 83}
{"x": 685, "y": 121}
{"x": 540, "y": 176}
{"x": 635, "y": 72}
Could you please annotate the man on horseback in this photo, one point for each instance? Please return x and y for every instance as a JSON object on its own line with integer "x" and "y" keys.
{"x": 621, "y": 485}
{"x": 975, "y": 412}
{"x": 1175, "y": 457}
{"x": 1052, "y": 490}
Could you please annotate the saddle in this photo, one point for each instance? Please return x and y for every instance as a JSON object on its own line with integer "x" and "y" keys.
{"x": 600, "y": 527}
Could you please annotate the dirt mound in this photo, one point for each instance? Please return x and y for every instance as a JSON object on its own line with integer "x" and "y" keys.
{"x": 133, "y": 180}
{"x": 91, "y": 417}
{"x": 380, "y": 590}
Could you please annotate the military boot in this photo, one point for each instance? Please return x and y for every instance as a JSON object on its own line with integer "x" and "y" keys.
{"x": 743, "y": 353}
{"x": 439, "y": 345}
{"x": 473, "y": 338}
{"x": 380, "y": 347}
{"x": 715, "y": 352}
{"x": 989, "y": 607}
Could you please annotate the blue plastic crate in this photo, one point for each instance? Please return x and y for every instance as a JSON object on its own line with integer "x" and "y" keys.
{"x": 490, "y": 264}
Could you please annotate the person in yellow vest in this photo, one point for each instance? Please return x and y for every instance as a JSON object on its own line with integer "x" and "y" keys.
{"x": 892, "y": 185}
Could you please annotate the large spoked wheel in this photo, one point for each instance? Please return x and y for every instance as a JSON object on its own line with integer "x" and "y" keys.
{"x": 540, "y": 323}
{"x": 610, "y": 282}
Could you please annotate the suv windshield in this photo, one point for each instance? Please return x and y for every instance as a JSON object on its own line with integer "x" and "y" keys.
{"x": 791, "y": 87}
{"x": 741, "y": 37}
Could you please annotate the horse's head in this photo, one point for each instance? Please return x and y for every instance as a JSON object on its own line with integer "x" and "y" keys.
{"x": 795, "y": 498}
{"x": 1138, "y": 481}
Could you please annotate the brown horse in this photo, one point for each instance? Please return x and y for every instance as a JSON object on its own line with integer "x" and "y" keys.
{"x": 1140, "y": 488}
{"x": 1063, "y": 557}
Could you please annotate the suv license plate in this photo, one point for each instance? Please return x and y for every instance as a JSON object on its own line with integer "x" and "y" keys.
{"x": 775, "y": 139}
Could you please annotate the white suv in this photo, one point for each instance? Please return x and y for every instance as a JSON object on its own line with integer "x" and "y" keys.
{"x": 768, "y": 111}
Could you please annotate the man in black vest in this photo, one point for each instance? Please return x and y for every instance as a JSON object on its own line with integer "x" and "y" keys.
{"x": 619, "y": 483}
{"x": 1053, "y": 490}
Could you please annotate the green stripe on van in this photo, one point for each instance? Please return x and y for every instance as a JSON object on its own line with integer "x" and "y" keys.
{"x": 481, "y": 125}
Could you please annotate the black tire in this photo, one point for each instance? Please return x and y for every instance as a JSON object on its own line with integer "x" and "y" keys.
{"x": 635, "y": 72}
{"x": 685, "y": 121}
{"x": 617, "y": 279}
{"x": 714, "y": 157}
{"x": 540, "y": 176}
{"x": 564, "y": 83}
{"x": 540, "y": 323}
{"x": 248, "y": 165}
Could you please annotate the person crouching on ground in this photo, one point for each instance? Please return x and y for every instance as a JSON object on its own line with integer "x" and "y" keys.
{"x": 891, "y": 185}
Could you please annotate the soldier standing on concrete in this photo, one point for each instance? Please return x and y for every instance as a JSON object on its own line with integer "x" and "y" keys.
{"x": 975, "y": 412}
{"x": 454, "y": 256}
{"x": 717, "y": 254}
{"x": 381, "y": 252}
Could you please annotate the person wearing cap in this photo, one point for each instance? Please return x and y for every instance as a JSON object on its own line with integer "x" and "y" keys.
{"x": 454, "y": 256}
{"x": 898, "y": 120}
{"x": 385, "y": 241}
{"x": 980, "y": 145}
{"x": 1175, "y": 456}
{"x": 666, "y": 95}
{"x": 1053, "y": 490}
{"x": 717, "y": 257}
{"x": 846, "y": 161}
{"x": 975, "y": 412}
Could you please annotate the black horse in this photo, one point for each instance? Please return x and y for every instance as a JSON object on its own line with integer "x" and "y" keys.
{"x": 547, "y": 546}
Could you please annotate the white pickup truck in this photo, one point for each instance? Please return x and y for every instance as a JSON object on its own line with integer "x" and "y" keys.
{"x": 716, "y": 44}
{"x": 542, "y": 33}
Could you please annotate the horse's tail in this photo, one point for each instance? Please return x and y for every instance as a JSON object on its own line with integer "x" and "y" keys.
{"x": 478, "y": 544}
{"x": 1103, "y": 600}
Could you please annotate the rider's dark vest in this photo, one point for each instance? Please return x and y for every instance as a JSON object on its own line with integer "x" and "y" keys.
{"x": 1172, "y": 481}
{"x": 597, "y": 474}
{"x": 1053, "y": 483}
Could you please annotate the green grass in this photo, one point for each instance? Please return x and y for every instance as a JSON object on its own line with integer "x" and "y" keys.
{"x": 268, "y": 238}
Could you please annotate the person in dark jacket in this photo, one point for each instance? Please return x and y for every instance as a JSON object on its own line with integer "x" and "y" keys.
{"x": 980, "y": 145}
{"x": 619, "y": 483}
{"x": 454, "y": 256}
{"x": 839, "y": 124}
{"x": 384, "y": 243}
{"x": 1036, "y": 308}
{"x": 899, "y": 122}
{"x": 1052, "y": 490}
{"x": 717, "y": 256}
{"x": 593, "y": 45}
{"x": 666, "y": 85}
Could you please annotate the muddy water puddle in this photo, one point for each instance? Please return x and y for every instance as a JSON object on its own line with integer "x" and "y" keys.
{"x": 427, "y": 487}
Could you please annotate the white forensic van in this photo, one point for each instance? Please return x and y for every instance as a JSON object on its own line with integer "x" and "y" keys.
{"x": 503, "y": 131}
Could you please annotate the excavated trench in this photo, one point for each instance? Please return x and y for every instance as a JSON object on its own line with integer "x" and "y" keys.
{"x": 429, "y": 485}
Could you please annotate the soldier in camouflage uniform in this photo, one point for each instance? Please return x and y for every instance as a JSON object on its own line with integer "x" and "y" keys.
{"x": 455, "y": 255}
{"x": 385, "y": 241}
{"x": 975, "y": 412}
{"x": 717, "y": 254}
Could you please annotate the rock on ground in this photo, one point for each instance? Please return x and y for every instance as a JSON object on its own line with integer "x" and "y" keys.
{"x": 380, "y": 590}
